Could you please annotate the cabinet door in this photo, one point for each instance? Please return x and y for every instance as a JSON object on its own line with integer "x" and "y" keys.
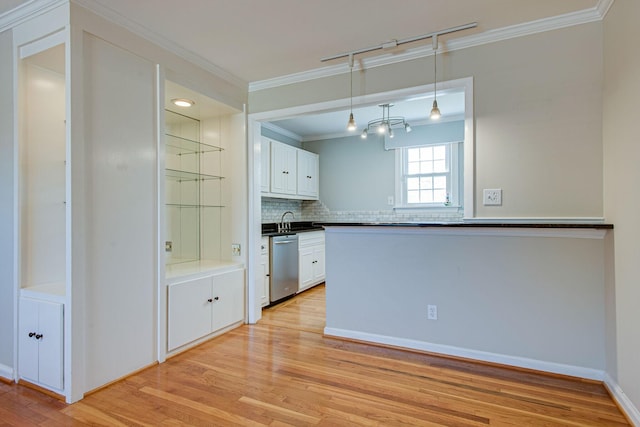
{"x": 308, "y": 183}
{"x": 40, "y": 356}
{"x": 228, "y": 299}
{"x": 190, "y": 305}
{"x": 50, "y": 322}
{"x": 264, "y": 274}
{"x": 305, "y": 268}
{"x": 283, "y": 168}
{"x": 28, "y": 345}
{"x": 318, "y": 264}
{"x": 265, "y": 164}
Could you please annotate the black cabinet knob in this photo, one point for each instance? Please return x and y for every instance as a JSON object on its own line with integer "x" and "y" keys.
{"x": 39, "y": 336}
{"x": 216, "y": 298}
{"x": 31, "y": 334}
{"x": 209, "y": 300}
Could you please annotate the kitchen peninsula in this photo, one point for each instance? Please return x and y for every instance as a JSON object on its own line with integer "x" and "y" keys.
{"x": 526, "y": 295}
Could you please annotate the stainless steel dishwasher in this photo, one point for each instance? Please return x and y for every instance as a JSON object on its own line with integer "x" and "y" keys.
{"x": 283, "y": 267}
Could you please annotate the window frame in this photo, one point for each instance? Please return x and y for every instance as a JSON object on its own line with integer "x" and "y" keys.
{"x": 455, "y": 179}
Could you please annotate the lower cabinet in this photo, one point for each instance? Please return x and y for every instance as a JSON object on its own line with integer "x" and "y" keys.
{"x": 200, "y": 307}
{"x": 264, "y": 272}
{"x": 311, "y": 249}
{"x": 40, "y": 343}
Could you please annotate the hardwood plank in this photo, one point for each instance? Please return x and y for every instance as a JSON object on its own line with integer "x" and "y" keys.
{"x": 284, "y": 372}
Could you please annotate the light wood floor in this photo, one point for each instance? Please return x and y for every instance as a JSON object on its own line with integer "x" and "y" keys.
{"x": 283, "y": 372}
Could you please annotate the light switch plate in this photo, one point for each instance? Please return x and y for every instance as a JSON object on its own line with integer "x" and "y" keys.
{"x": 492, "y": 197}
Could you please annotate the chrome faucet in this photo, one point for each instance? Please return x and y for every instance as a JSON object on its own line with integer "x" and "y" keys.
{"x": 284, "y": 227}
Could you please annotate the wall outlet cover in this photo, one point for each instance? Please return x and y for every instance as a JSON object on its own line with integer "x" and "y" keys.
{"x": 492, "y": 197}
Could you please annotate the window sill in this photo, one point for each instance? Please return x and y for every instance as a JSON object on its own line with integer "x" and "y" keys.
{"x": 430, "y": 209}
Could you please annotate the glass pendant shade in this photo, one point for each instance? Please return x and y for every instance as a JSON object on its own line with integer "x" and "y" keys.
{"x": 435, "y": 111}
{"x": 351, "y": 125}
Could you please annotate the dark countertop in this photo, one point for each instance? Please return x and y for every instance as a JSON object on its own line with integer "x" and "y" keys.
{"x": 271, "y": 229}
{"x": 597, "y": 226}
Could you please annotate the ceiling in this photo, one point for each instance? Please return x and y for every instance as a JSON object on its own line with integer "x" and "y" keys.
{"x": 259, "y": 40}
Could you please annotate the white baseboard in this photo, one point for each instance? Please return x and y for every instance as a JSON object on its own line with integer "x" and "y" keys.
{"x": 621, "y": 398}
{"x": 6, "y": 372}
{"x": 521, "y": 362}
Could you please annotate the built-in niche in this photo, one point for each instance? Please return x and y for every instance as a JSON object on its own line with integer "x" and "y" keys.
{"x": 42, "y": 171}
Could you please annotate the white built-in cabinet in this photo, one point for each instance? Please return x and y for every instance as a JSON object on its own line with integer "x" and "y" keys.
{"x": 288, "y": 172}
{"x": 308, "y": 184}
{"x": 43, "y": 174}
{"x": 264, "y": 273}
{"x": 203, "y": 306}
{"x": 40, "y": 341}
{"x": 311, "y": 253}
{"x": 284, "y": 170}
{"x": 265, "y": 165}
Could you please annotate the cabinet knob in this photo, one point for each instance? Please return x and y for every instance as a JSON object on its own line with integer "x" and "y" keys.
{"x": 39, "y": 336}
{"x": 31, "y": 334}
{"x": 216, "y": 298}
{"x": 209, "y": 300}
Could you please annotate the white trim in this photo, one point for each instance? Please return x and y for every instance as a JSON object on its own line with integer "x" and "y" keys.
{"x": 520, "y": 30}
{"x": 440, "y": 229}
{"x": 7, "y": 372}
{"x": 26, "y": 11}
{"x": 622, "y": 400}
{"x": 503, "y": 359}
{"x": 603, "y": 7}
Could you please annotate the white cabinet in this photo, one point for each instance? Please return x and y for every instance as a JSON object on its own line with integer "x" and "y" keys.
{"x": 288, "y": 172}
{"x": 202, "y": 306}
{"x": 265, "y": 165}
{"x": 264, "y": 272}
{"x": 308, "y": 184}
{"x": 40, "y": 343}
{"x": 283, "y": 168}
{"x": 311, "y": 250}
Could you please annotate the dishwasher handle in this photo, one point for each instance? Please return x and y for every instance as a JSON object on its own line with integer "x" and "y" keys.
{"x": 284, "y": 242}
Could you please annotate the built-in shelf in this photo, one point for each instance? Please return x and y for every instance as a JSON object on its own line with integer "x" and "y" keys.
{"x": 179, "y": 175}
{"x": 179, "y": 146}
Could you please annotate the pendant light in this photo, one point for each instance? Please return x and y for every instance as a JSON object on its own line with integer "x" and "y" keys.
{"x": 435, "y": 111}
{"x": 351, "y": 125}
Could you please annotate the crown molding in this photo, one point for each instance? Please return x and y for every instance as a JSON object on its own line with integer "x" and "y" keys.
{"x": 26, "y": 11}
{"x": 520, "y": 30}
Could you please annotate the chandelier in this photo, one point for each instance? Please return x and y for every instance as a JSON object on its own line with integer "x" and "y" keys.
{"x": 385, "y": 125}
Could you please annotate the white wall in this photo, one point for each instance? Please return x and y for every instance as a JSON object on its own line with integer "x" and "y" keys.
{"x": 621, "y": 196}
{"x": 530, "y": 301}
{"x": 538, "y": 113}
{"x": 120, "y": 143}
{"x": 6, "y": 207}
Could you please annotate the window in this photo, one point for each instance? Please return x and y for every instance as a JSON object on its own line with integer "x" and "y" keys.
{"x": 428, "y": 176}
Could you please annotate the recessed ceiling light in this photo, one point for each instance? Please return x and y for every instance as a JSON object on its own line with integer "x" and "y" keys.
{"x": 183, "y": 102}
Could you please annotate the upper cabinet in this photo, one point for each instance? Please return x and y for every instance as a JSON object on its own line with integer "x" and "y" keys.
{"x": 308, "y": 174}
{"x": 284, "y": 169}
{"x": 289, "y": 172}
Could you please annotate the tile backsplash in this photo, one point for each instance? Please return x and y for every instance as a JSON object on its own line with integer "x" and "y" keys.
{"x": 315, "y": 210}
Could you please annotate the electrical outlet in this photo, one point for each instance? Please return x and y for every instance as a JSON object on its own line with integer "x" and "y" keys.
{"x": 432, "y": 312}
{"x": 492, "y": 197}
{"x": 235, "y": 249}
